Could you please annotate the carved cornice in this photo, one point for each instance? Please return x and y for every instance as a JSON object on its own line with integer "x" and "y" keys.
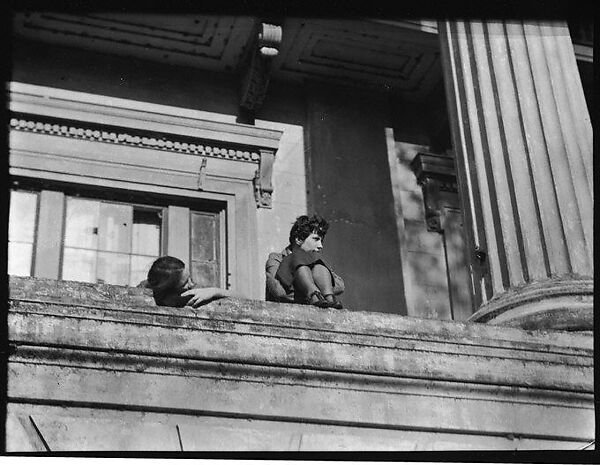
{"x": 123, "y": 136}
{"x": 264, "y": 158}
{"x": 435, "y": 173}
{"x": 83, "y": 116}
{"x": 438, "y": 167}
{"x": 134, "y": 116}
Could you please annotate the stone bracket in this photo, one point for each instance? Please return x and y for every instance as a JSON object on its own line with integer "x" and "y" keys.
{"x": 263, "y": 187}
{"x": 435, "y": 173}
{"x": 256, "y": 74}
{"x": 202, "y": 174}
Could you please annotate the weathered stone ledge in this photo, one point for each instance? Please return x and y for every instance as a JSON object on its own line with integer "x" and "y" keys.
{"x": 135, "y": 300}
{"x": 260, "y": 333}
{"x": 78, "y": 346}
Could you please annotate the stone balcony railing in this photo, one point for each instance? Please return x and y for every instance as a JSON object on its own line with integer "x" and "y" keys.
{"x": 100, "y": 367}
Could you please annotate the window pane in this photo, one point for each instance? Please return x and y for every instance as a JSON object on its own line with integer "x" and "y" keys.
{"x": 81, "y": 226}
{"x": 19, "y": 258}
{"x": 79, "y": 265}
{"x": 114, "y": 230}
{"x": 204, "y": 236}
{"x": 146, "y": 232}
{"x": 21, "y": 232}
{"x": 140, "y": 265}
{"x": 21, "y": 224}
{"x": 205, "y": 274}
{"x": 205, "y": 248}
{"x": 113, "y": 268}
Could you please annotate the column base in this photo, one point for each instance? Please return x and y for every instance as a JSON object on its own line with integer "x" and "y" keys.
{"x": 558, "y": 304}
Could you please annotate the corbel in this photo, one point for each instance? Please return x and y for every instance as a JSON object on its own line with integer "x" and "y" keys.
{"x": 202, "y": 174}
{"x": 263, "y": 187}
{"x": 256, "y": 73}
{"x": 435, "y": 173}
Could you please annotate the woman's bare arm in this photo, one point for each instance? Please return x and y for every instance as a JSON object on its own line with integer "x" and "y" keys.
{"x": 203, "y": 295}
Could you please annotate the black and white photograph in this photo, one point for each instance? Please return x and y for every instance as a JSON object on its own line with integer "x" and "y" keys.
{"x": 242, "y": 232}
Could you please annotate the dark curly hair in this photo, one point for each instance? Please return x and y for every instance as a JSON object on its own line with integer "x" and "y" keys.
{"x": 163, "y": 277}
{"x": 305, "y": 225}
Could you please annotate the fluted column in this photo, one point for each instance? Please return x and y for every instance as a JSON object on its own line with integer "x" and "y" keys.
{"x": 523, "y": 140}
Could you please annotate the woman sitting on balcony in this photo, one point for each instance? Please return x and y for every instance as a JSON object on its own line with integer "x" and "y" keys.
{"x": 299, "y": 273}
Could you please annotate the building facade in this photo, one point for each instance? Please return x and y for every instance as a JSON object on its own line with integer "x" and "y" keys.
{"x": 453, "y": 160}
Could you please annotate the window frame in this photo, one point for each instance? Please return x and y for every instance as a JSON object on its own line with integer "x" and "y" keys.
{"x": 163, "y": 205}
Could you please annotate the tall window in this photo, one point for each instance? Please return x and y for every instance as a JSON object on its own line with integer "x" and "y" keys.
{"x": 101, "y": 240}
{"x": 21, "y": 232}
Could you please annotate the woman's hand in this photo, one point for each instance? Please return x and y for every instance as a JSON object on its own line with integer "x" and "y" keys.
{"x": 203, "y": 295}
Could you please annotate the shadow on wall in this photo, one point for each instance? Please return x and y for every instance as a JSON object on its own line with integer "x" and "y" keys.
{"x": 426, "y": 271}
{"x": 433, "y": 264}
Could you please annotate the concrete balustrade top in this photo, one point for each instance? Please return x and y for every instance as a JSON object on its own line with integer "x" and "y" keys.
{"x": 101, "y": 367}
{"x": 125, "y": 319}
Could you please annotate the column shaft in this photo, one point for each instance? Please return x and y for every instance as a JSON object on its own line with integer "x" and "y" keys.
{"x": 523, "y": 140}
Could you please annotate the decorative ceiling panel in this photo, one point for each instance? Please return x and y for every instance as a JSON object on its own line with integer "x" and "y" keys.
{"x": 360, "y": 53}
{"x": 211, "y": 42}
{"x": 399, "y": 56}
